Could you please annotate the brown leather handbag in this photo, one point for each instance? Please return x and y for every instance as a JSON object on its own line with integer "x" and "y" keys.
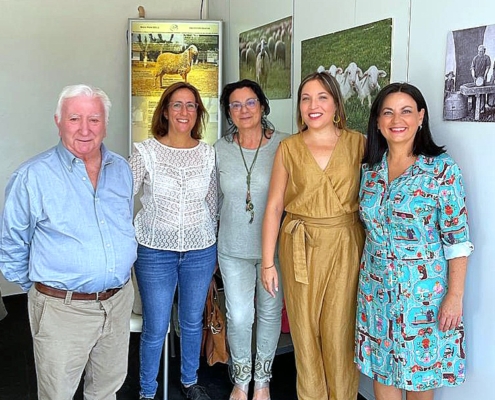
{"x": 214, "y": 346}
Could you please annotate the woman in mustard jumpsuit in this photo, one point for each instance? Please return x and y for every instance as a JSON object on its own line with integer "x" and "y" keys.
{"x": 315, "y": 180}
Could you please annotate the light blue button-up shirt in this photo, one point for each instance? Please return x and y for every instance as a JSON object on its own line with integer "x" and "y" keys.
{"x": 58, "y": 230}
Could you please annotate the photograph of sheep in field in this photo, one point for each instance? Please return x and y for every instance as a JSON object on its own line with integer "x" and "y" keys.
{"x": 359, "y": 58}
{"x": 163, "y": 52}
{"x": 469, "y": 89}
{"x": 265, "y": 57}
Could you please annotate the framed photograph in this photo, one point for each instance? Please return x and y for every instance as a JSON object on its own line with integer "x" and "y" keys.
{"x": 469, "y": 89}
{"x": 359, "y": 58}
{"x": 162, "y": 52}
{"x": 265, "y": 57}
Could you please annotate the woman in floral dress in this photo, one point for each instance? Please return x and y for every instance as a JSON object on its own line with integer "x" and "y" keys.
{"x": 409, "y": 331}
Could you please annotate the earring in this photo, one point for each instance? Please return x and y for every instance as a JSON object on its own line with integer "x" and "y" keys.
{"x": 302, "y": 121}
{"x": 420, "y": 127}
{"x": 336, "y": 121}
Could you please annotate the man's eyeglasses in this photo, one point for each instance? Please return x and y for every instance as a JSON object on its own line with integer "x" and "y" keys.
{"x": 178, "y": 105}
{"x": 237, "y": 105}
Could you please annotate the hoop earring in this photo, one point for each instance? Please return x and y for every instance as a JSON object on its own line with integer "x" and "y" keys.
{"x": 336, "y": 121}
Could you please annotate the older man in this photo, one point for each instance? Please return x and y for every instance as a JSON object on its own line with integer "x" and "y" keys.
{"x": 480, "y": 64}
{"x": 67, "y": 238}
{"x": 479, "y": 71}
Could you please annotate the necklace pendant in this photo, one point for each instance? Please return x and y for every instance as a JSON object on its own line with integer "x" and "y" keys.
{"x": 252, "y": 217}
{"x": 249, "y": 204}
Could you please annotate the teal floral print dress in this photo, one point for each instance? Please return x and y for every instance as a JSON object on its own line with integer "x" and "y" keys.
{"x": 414, "y": 225}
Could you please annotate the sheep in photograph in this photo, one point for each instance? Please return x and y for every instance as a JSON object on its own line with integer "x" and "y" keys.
{"x": 369, "y": 83}
{"x": 280, "y": 52}
{"x": 271, "y": 46}
{"x": 172, "y": 63}
{"x": 252, "y": 45}
{"x": 262, "y": 67}
{"x": 242, "y": 56}
{"x": 336, "y": 72}
{"x": 250, "y": 59}
{"x": 262, "y": 46}
{"x": 351, "y": 73}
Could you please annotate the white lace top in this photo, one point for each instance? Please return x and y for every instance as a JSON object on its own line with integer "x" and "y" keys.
{"x": 179, "y": 196}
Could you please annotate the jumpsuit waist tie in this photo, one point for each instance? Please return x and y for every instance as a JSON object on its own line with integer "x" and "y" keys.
{"x": 300, "y": 237}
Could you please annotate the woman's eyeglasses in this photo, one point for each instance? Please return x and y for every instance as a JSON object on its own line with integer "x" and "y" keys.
{"x": 237, "y": 105}
{"x": 178, "y": 105}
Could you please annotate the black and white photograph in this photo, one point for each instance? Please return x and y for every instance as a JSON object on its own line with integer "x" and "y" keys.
{"x": 469, "y": 90}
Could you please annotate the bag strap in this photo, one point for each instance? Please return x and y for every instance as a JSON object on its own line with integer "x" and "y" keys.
{"x": 211, "y": 300}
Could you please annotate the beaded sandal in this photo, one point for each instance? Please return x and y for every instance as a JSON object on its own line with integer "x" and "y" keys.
{"x": 241, "y": 387}
{"x": 258, "y": 387}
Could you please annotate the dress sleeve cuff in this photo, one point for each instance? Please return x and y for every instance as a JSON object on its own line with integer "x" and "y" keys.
{"x": 458, "y": 250}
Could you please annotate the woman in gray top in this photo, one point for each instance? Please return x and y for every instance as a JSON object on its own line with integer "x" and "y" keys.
{"x": 244, "y": 158}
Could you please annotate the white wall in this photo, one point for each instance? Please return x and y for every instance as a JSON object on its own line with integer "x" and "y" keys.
{"x": 46, "y": 45}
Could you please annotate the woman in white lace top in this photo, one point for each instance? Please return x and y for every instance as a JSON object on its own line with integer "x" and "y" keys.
{"x": 176, "y": 232}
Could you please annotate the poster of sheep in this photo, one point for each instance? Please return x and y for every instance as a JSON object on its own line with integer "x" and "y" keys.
{"x": 162, "y": 52}
{"x": 359, "y": 58}
{"x": 265, "y": 57}
{"x": 469, "y": 90}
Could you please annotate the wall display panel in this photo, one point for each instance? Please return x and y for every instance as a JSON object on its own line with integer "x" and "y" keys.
{"x": 359, "y": 58}
{"x": 265, "y": 57}
{"x": 469, "y": 90}
{"x": 162, "y": 52}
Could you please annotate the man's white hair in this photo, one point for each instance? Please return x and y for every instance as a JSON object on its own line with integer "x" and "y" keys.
{"x": 83, "y": 90}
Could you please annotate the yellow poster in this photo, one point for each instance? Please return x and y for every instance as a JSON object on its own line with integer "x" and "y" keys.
{"x": 163, "y": 52}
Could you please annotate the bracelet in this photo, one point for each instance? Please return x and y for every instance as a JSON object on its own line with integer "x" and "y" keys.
{"x": 271, "y": 266}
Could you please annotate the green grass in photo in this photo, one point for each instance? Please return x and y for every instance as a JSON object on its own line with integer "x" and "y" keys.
{"x": 365, "y": 45}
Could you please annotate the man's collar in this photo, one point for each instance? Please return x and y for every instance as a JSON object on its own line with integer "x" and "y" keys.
{"x": 68, "y": 158}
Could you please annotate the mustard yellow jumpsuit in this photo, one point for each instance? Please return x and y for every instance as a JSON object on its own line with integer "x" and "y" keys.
{"x": 321, "y": 240}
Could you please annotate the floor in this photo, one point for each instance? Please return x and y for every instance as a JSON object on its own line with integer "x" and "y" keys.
{"x": 18, "y": 378}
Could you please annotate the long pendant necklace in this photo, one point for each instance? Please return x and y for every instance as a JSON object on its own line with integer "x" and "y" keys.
{"x": 249, "y": 203}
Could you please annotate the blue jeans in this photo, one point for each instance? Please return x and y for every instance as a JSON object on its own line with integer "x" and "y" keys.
{"x": 158, "y": 273}
{"x": 243, "y": 289}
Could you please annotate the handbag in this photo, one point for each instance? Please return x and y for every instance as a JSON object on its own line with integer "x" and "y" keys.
{"x": 214, "y": 345}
